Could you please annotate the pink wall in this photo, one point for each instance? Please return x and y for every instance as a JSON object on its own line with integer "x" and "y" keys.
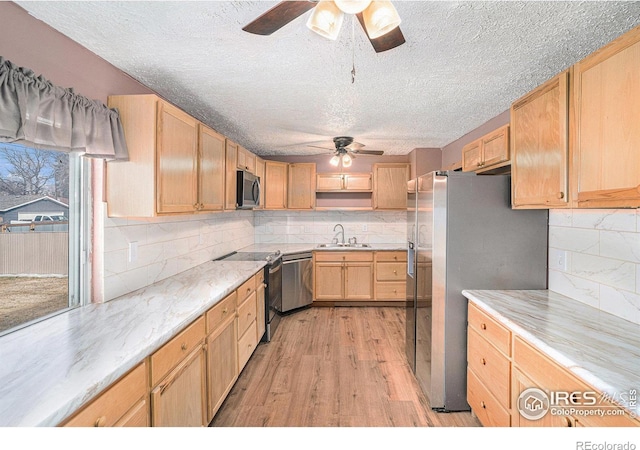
{"x": 452, "y": 153}
{"x": 425, "y": 160}
{"x": 29, "y": 42}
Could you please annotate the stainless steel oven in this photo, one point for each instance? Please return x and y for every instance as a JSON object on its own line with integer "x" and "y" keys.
{"x": 273, "y": 282}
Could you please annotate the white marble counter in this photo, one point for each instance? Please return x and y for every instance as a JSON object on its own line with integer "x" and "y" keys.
{"x": 597, "y": 347}
{"x": 293, "y": 248}
{"x": 48, "y": 370}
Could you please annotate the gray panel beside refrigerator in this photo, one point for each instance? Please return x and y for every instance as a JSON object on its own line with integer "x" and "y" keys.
{"x": 462, "y": 234}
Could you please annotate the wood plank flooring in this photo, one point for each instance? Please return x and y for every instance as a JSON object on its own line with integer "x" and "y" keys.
{"x": 333, "y": 367}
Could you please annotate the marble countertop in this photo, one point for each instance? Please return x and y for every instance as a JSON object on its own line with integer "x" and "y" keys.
{"x": 293, "y": 248}
{"x": 49, "y": 369}
{"x": 599, "y": 348}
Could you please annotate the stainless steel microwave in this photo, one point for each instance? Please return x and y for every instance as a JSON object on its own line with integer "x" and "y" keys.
{"x": 248, "y": 190}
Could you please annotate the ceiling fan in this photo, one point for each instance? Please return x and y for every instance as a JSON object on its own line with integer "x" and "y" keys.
{"x": 379, "y": 19}
{"x": 346, "y": 150}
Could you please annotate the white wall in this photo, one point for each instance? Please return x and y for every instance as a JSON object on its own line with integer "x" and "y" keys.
{"x": 310, "y": 227}
{"x": 603, "y": 258}
{"x": 167, "y": 246}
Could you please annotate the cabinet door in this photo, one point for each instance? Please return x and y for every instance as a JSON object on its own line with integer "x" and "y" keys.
{"x": 179, "y": 400}
{"x": 520, "y": 382}
{"x": 301, "y": 188}
{"x": 358, "y": 281}
{"x": 231, "y": 156}
{"x": 275, "y": 189}
{"x": 471, "y": 156}
{"x": 390, "y": 186}
{"x": 260, "y": 174}
{"x": 261, "y": 319}
{"x": 329, "y": 182}
{"x": 358, "y": 182}
{"x": 607, "y": 95}
{"x": 211, "y": 170}
{"x": 138, "y": 416}
{"x": 495, "y": 147}
{"x": 539, "y": 146}
{"x": 328, "y": 281}
{"x": 176, "y": 160}
{"x": 222, "y": 364}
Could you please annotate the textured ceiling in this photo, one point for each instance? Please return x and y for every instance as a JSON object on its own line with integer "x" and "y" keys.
{"x": 463, "y": 63}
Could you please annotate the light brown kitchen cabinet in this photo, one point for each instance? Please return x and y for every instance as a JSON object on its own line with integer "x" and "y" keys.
{"x": 346, "y": 276}
{"x": 276, "y": 180}
{"x": 488, "y": 153}
{"x": 246, "y": 160}
{"x": 178, "y": 380}
{"x": 340, "y": 182}
{"x": 261, "y": 318}
{"x": 606, "y": 92}
{"x": 174, "y": 165}
{"x": 540, "y": 146}
{"x": 211, "y": 164}
{"x": 260, "y": 174}
{"x": 124, "y": 403}
{"x": 222, "y": 352}
{"x": 231, "y": 158}
{"x": 301, "y": 186}
{"x": 390, "y": 275}
{"x": 246, "y": 321}
{"x": 390, "y": 185}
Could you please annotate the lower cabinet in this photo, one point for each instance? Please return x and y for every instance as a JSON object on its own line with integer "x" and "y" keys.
{"x": 390, "y": 275}
{"x": 343, "y": 276}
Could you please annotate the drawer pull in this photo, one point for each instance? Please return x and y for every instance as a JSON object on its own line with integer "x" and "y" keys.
{"x": 395, "y": 257}
{"x": 100, "y": 422}
{"x": 483, "y": 326}
{"x": 483, "y": 362}
{"x": 483, "y": 405}
{"x": 183, "y": 346}
{"x": 395, "y": 291}
{"x": 395, "y": 272}
{"x": 224, "y": 311}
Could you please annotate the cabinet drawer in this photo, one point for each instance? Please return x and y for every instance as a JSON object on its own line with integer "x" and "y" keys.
{"x": 176, "y": 349}
{"x": 391, "y": 271}
{"x": 246, "y": 345}
{"x": 355, "y": 256}
{"x": 490, "y": 329}
{"x": 399, "y": 256}
{"x": 246, "y": 288}
{"x": 247, "y": 313}
{"x": 259, "y": 278}
{"x": 391, "y": 291}
{"x": 484, "y": 405}
{"x": 217, "y": 314}
{"x": 138, "y": 416}
{"x": 115, "y": 402}
{"x": 492, "y": 367}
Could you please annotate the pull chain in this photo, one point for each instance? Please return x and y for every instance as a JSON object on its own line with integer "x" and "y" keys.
{"x": 353, "y": 49}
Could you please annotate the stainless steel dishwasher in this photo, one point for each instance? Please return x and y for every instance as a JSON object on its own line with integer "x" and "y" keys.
{"x": 297, "y": 281}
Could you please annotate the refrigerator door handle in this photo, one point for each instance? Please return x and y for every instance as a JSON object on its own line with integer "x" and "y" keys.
{"x": 411, "y": 253}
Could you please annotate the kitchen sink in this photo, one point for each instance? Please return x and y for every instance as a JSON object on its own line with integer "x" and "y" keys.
{"x": 333, "y": 245}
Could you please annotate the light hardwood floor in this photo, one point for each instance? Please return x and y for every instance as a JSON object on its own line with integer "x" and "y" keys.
{"x": 333, "y": 367}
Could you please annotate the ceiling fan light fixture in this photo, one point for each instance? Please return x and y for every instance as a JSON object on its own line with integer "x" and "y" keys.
{"x": 346, "y": 160}
{"x": 352, "y": 6}
{"x": 326, "y": 20}
{"x": 335, "y": 160}
{"x": 380, "y": 18}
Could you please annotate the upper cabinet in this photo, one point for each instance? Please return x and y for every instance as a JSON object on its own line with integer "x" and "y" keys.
{"x": 390, "y": 185}
{"x": 339, "y": 182}
{"x": 174, "y": 162}
{"x": 260, "y": 174}
{"x": 540, "y": 146}
{"x": 231, "y": 159}
{"x": 606, "y": 92}
{"x": 301, "y": 188}
{"x": 246, "y": 160}
{"x": 275, "y": 184}
{"x": 488, "y": 153}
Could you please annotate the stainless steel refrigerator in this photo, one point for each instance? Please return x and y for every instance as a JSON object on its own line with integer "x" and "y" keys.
{"x": 462, "y": 234}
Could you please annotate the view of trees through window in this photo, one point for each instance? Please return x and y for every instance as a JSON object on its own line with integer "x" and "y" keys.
{"x": 34, "y": 234}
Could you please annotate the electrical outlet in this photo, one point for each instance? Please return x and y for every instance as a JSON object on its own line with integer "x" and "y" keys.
{"x": 364, "y": 227}
{"x": 133, "y": 251}
{"x": 563, "y": 263}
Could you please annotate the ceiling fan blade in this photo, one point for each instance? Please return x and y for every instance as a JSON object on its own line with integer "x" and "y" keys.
{"x": 367, "y": 152}
{"x": 324, "y": 148}
{"x": 278, "y": 16}
{"x": 354, "y": 146}
{"x": 392, "y": 39}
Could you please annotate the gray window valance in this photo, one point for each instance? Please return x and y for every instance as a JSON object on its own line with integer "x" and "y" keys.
{"x": 36, "y": 113}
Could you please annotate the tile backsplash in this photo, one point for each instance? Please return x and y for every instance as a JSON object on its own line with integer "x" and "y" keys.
{"x": 167, "y": 246}
{"x": 311, "y": 227}
{"x": 594, "y": 257}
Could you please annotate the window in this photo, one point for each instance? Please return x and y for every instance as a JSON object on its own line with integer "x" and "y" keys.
{"x": 44, "y": 223}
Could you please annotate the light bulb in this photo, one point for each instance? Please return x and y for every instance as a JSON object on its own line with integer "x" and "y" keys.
{"x": 380, "y": 18}
{"x": 334, "y": 161}
{"x": 346, "y": 160}
{"x": 352, "y": 6}
{"x": 326, "y": 20}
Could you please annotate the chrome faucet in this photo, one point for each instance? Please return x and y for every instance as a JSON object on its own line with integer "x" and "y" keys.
{"x": 342, "y": 228}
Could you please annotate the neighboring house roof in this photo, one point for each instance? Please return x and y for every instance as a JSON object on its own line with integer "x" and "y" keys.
{"x": 9, "y": 202}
